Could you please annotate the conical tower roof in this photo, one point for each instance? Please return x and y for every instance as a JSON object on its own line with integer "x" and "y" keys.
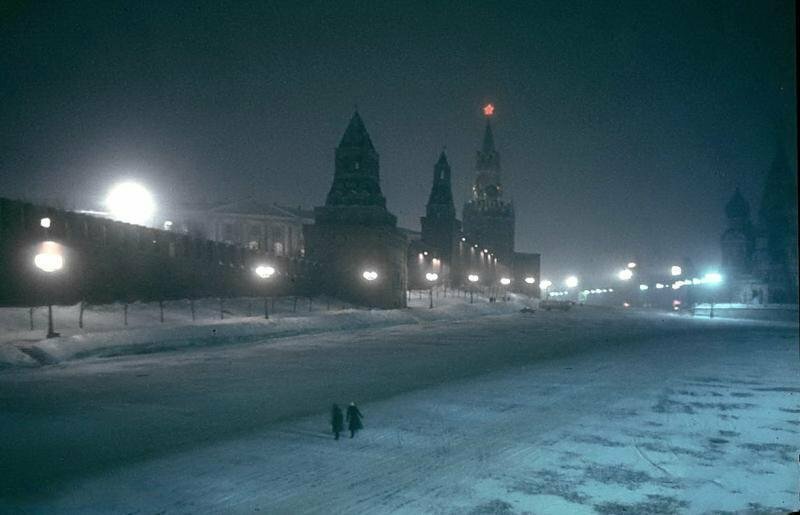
{"x": 356, "y": 134}
{"x": 488, "y": 139}
{"x": 442, "y": 191}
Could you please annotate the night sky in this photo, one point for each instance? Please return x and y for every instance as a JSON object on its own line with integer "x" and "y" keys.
{"x": 623, "y": 127}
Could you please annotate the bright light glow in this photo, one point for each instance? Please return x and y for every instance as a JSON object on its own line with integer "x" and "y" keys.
{"x": 676, "y": 302}
{"x": 546, "y": 284}
{"x": 712, "y": 278}
{"x": 610, "y": 290}
{"x": 45, "y": 222}
{"x": 50, "y": 258}
{"x": 675, "y": 270}
{"x": 432, "y": 276}
{"x": 530, "y": 280}
{"x": 659, "y": 286}
{"x": 625, "y": 274}
{"x": 571, "y": 281}
{"x": 677, "y": 285}
{"x": 168, "y": 225}
{"x": 473, "y": 278}
{"x": 505, "y": 281}
{"x": 644, "y": 287}
{"x": 265, "y": 271}
{"x": 370, "y": 275}
{"x": 625, "y": 305}
{"x": 631, "y": 265}
{"x": 130, "y": 202}
{"x": 488, "y": 110}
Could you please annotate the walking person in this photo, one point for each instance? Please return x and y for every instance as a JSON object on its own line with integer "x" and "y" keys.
{"x": 337, "y": 421}
{"x": 354, "y": 419}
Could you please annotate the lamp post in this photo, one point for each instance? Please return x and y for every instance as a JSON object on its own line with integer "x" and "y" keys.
{"x": 472, "y": 278}
{"x": 265, "y": 272}
{"x": 431, "y": 277}
{"x": 49, "y": 259}
{"x": 713, "y": 279}
{"x": 544, "y": 285}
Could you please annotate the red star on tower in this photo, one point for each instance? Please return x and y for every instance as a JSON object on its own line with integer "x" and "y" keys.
{"x": 488, "y": 110}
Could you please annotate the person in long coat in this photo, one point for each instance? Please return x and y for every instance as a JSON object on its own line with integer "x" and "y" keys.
{"x": 354, "y": 419}
{"x": 337, "y": 420}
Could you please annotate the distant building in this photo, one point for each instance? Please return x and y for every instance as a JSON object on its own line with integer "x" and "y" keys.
{"x": 760, "y": 261}
{"x": 251, "y": 222}
{"x": 360, "y": 252}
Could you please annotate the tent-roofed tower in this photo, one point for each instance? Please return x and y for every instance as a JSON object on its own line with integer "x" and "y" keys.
{"x": 440, "y": 228}
{"x": 775, "y": 259}
{"x": 354, "y": 233}
{"x": 738, "y": 238}
{"x": 488, "y": 218}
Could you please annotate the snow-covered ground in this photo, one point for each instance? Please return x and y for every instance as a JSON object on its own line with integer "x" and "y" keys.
{"x": 236, "y": 320}
{"x": 588, "y": 411}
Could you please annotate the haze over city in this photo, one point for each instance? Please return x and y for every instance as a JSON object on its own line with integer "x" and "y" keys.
{"x": 348, "y": 257}
{"x": 624, "y": 128}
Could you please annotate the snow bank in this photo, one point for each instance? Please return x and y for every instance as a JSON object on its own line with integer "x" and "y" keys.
{"x": 103, "y": 338}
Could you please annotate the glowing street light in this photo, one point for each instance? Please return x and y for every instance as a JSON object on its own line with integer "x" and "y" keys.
{"x": 130, "y": 202}
{"x": 431, "y": 277}
{"x": 675, "y": 270}
{"x": 625, "y": 274}
{"x": 530, "y": 280}
{"x": 505, "y": 281}
{"x": 370, "y": 275}
{"x": 473, "y": 278}
{"x": 265, "y": 271}
{"x": 712, "y": 278}
{"x": 631, "y": 265}
{"x": 45, "y": 222}
{"x": 546, "y": 283}
{"x": 49, "y": 259}
{"x": 644, "y": 287}
{"x": 571, "y": 281}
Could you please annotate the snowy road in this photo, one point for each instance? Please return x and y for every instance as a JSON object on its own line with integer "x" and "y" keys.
{"x": 582, "y": 412}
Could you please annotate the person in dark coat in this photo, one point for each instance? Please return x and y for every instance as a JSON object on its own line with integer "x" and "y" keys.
{"x": 354, "y": 419}
{"x": 337, "y": 420}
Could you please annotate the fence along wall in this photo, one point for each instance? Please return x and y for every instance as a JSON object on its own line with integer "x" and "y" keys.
{"x": 108, "y": 261}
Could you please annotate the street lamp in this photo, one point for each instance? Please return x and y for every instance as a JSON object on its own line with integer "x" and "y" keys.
{"x": 625, "y": 274}
{"x": 675, "y": 270}
{"x": 571, "y": 281}
{"x": 505, "y": 281}
{"x": 264, "y": 272}
{"x": 130, "y": 202}
{"x": 431, "y": 277}
{"x": 530, "y": 280}
{"x": 369, "y": 275}
{"x": 632, "y": 265}
{"x": 49, "y": 259}
{"x": 473, "y": 278}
